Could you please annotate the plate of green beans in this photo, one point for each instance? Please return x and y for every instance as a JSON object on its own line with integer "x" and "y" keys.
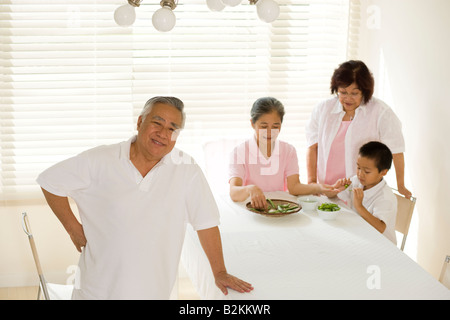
{"x": 276, "y": 208}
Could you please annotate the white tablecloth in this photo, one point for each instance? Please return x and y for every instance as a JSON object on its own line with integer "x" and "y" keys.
{"x": 300, "y": 256}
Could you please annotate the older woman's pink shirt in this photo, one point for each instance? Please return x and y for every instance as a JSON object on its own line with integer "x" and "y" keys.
{"x": 248, "y": 163}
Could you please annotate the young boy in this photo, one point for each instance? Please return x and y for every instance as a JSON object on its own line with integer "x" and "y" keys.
{"x": 372, "y": 198}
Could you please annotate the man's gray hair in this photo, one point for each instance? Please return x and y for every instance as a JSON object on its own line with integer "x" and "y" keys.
{"x": 175, "y": 102}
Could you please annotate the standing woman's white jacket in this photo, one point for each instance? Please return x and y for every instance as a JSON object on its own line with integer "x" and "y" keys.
{"x": 373, "y": 121}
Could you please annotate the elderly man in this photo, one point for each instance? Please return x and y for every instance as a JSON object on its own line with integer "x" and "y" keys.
{"x": 135, "y": 199}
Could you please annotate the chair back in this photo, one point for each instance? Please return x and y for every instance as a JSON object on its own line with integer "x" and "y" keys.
{"x": 217, "y": 158}
{"x": 52, "y": 291}
{"x": 27, "y": 229}
{"x": 405, "y": 209}
{"x": 445, "y": 273}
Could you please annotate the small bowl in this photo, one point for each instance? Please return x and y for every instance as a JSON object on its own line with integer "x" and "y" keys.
{"x": 328, "y": 215}
{"x": 309, "y": 203}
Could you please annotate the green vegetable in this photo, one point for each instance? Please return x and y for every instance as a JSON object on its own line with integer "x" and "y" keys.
{"x": 326, "y": 206}
{"x": 281, "y": 208}
{"x": 271, "y": 204}
{"x": 346, "y": 186}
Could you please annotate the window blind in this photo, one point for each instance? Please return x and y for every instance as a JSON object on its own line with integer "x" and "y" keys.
{"x": 72, "y": 79}
{"x": 354, "y": 26}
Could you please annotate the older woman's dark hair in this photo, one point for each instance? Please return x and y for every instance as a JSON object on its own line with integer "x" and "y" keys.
{"x": 266, "y": 105}
{"x": 353, "y": 71}
{"x": 378, "y": 152}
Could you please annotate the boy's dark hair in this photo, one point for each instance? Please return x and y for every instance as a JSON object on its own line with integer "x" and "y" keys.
{"x": 379, "y": 152}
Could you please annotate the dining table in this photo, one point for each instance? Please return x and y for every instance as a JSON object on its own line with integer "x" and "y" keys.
{"x": 300, "y": 256}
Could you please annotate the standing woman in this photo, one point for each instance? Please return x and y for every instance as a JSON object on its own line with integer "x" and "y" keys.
{"x": 339, "y": 126}
{"x": 264, "y": 163}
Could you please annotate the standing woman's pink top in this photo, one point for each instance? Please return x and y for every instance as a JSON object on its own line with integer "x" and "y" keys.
{"x": 336, "y": 159}
{"x": 248, "y": 163}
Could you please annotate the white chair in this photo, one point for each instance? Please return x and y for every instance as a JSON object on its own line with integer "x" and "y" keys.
{"x": 405, "y": 209}
{"x": 217, "y": 155}
{"x": 51, "y": 291}
{"x": 444, "y": 278}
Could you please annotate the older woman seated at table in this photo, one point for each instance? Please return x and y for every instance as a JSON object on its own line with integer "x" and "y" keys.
{"x": 263, "y": 163}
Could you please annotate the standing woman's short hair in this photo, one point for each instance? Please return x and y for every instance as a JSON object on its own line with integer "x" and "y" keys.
{"x": 266, "y": 105}
{"x": 353, "y": 71}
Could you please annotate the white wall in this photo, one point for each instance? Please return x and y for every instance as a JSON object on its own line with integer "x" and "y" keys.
{"x": 406, "y": 45}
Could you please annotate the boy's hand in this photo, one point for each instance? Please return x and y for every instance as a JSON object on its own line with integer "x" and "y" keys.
{"x": 358, "y": 196}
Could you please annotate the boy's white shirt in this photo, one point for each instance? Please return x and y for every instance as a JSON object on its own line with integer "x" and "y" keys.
{"x": 379, "y": 200}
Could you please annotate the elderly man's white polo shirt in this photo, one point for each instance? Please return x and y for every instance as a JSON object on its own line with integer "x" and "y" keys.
{"x": 134, "y": 226}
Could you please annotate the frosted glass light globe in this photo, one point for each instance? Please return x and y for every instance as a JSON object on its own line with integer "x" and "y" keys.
{"x": 125, "y": 15}
{"x": 215, "y": 5}
{"x": 231, "y": 3}
{"x": 267, "y": 10}
{"x": 163, "y": 19}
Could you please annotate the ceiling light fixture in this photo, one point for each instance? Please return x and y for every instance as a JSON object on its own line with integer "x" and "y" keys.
{"x": 267, "y": 10}
{"x": 215, "y": 5}
{"x": 164, "y": 19}
{"x": 231, "y": 3}
{"x": 125, "y": 15}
